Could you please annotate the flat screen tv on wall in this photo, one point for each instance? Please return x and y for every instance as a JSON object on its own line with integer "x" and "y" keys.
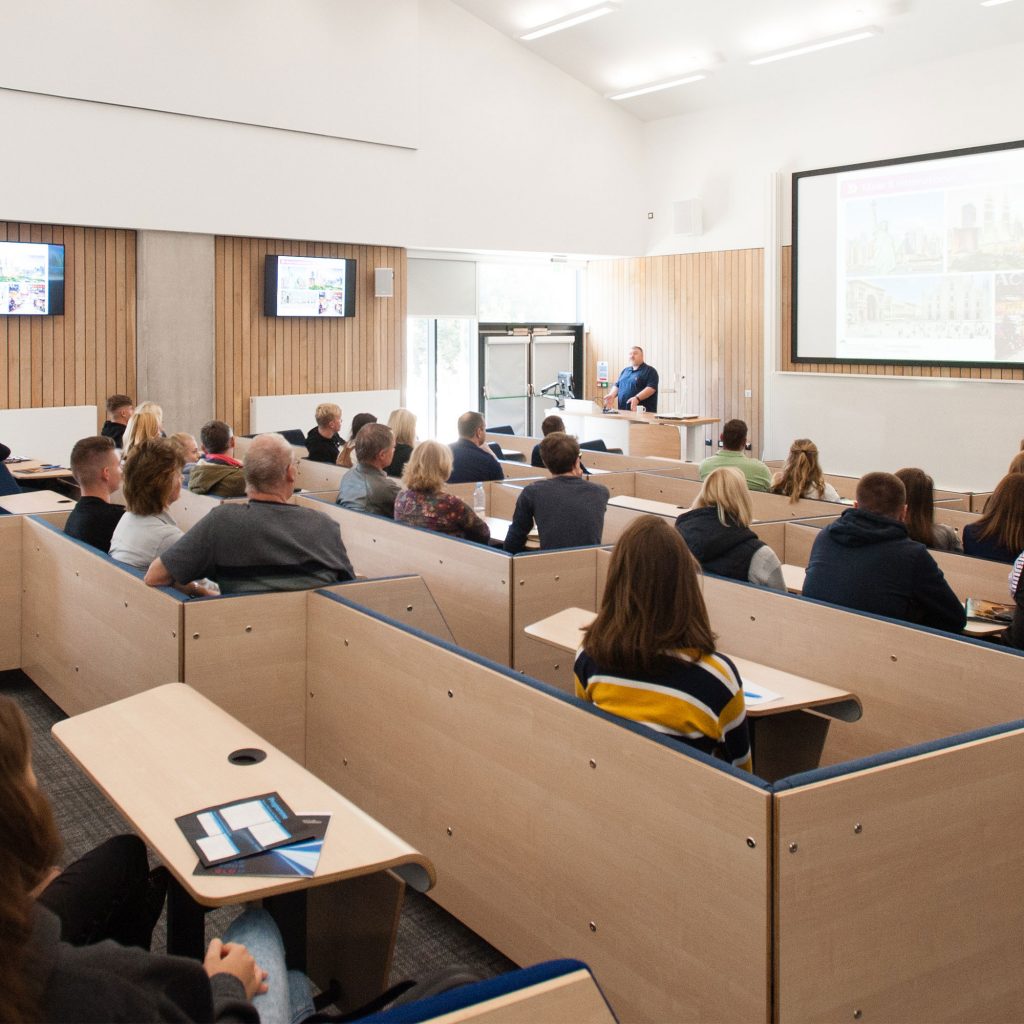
{"x": 914, "y": 261}
{"x": 31, "y": 279}
{"x": 309, "y": 286}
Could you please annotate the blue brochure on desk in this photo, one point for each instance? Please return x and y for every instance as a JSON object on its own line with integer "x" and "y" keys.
{"x": 297, "y": 860}
{"x": 242, "y": 828}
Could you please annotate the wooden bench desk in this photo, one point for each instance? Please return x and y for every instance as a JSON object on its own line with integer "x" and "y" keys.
{"x": 648, "y": 505}
{"x": 34, "y": 502}
{"x": 787, "y": 734}
{"x": 164, "y": 752}
{"x": 32, "y": 469}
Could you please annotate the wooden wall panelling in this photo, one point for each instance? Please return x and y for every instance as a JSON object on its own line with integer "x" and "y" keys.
{"x": 257, "y": 355}
{"x": 89, "y": 352}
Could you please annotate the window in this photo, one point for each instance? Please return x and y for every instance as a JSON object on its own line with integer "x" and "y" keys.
{"x": 441, "y": 373}
{"x": 525, "y": 293}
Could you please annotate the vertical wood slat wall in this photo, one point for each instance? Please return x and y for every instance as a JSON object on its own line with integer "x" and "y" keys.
{"x": 882, "y": 369}
{"x": 89, "y": 352}
{"x": 260, "y": 355}
{"x": 697, "y": 314}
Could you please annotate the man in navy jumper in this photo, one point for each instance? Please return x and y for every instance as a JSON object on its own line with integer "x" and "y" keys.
{"x": 637, "y": 385}
{"x": 866, "y": 561}
{"x": 472, "y": 460}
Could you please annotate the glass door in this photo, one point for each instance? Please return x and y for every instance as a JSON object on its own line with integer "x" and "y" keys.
{"x": 506, "y": 374}
{"x": 552, "y": 355}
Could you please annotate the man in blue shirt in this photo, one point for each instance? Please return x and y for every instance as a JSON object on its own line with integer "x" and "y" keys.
{"x": 637, "y": 385}
{"x": 472, "y": 460}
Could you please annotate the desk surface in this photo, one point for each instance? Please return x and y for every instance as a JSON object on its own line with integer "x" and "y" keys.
{"x": 31, "y": 502}
{"x": 794, "y": 576}
{"x": 651, "y": 418}
{"x": 649, "y": 505}
{"x": 499, "y": 531}
{"x": 163, "y": 753}
{"x": 34, "y": 470}
{"x": 564, "y": 630}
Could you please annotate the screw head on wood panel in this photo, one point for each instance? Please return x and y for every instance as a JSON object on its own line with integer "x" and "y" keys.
{"x": 753, "y": 618}
{"x": 77, "y": 573}
{"x": 858, "y": 828}
{"x": 522, "y": 583}
{"x": 593, "y": 926}
{"x": 174, "y": 634}
{"x": 450, "y": 694}
{"x": 248, "y": 629}
{"x": 793, "y": 847}
{"x": 126, "y": 604}
{"x": 449, "y": 830}
{"x": 592, "y": 763}
{"x": 195, "y": 636}
{"x": 752, "y": 842}
{"x": 346, "y": 643}
{"x": 344, "y": 761}
{"x": 857, "y": 1015}
{"x": 557, "y": 578}
{"x": 892, "y": 657}
{"x": 76, "y": 668}
{"x": 408, "y": 607}
{"x": 556, "y": 666}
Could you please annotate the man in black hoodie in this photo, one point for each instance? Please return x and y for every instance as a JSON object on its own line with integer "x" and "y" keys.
{"x": 866, "y": 561}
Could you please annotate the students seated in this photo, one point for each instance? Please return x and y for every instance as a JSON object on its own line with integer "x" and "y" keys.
{"x": 218, "y": 472}
{"x": 424, "y": 501}
{"x": 43, "y": 977}
{"x": 921, "y": 525}
{"x": 96, "y": 467}
{"x": 8, "y": 485}
{"x": 551, "y": 425}
{"x": 802, "y": 477}
{"x": 120, "y": 409}
{"x": 734, "y": 439}
{"x": 717, "y": 531}
{"x": 568, "y": 510}
{"x": 152, "y": 482}
{"x": 999, "y": 533}
{"x": 472, "y": 460}
{"x": 323, "y": 441}
{"x": 866, "y": 561}
{"x": 146, "y": 423}
{"x": 366, "y": 487}
{"x": 263, "y": 544}
{"x": 346, "y": 455}
{"x": 649, "y": 656}
{"x": 186, "y": 444}
{"x": 403, "y": 426}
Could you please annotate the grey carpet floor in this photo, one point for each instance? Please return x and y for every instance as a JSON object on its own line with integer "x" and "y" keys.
{"x": 429, "y": 939}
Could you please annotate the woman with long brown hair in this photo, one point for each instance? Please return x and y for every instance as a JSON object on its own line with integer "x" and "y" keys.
{"x": 649, "y": 656}
{"x": 920, "y": 521}
{"x": 999, "y": 533}
{"x": 43, "y": 978}
{"x": 802, "y": 476}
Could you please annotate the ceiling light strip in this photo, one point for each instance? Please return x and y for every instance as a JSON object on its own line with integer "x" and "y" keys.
{"x": 656, "y": 87}
{"x": 821, "y": 44}
{"x": 575, "y": 19}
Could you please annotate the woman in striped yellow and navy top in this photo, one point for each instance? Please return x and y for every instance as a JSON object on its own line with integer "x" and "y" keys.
{"x": 650, "y": 654}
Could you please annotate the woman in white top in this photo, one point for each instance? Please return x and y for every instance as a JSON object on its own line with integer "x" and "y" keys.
{"x": 802, "y": 477}
{"x": 152, "y": 481}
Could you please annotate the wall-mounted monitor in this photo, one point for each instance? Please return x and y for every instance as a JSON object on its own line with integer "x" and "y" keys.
{"x": 917, "y": 261}
{"x": 309, "y": 286}
{"x": 31, "y": 279}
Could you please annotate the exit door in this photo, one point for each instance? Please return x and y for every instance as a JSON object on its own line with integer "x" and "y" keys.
{"x": 518, "y": 362}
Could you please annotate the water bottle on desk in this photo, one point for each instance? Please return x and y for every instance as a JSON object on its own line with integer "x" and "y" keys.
{"x": 479, "y": 500}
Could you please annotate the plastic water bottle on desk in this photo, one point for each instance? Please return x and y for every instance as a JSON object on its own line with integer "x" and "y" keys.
{"x": 479, "y": 500}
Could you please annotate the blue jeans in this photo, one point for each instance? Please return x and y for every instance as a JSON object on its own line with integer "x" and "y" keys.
{"x": 289, "y": 995}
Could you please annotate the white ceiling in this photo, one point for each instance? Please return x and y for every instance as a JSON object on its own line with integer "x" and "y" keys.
{"x": 654, "y": 40}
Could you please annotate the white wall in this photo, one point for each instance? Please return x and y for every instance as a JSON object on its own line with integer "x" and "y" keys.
{"x": 512, "y": 153}
{"x": 962, "y": 432}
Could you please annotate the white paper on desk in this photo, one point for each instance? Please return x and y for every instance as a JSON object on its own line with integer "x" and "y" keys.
{"x": 755, "y": 695}
{"x": 266, "y": 833}
{"x": 210, "y": 824}
{"x": 238, "y": 816}
{"x": 215, "y": 847}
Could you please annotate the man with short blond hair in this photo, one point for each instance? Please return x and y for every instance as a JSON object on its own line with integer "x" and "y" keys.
{"x": 96, "y": 467}
{"x": 324, "y": 442}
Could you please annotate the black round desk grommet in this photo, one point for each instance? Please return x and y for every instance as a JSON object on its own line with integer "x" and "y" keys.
{"x": 246, "y": 756}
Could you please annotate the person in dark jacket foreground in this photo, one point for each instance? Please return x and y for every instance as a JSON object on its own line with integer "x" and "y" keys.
{"x": 866, "y": 561}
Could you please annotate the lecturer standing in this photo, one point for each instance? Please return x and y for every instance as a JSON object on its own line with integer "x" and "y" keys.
{"x": 637, "y": 385}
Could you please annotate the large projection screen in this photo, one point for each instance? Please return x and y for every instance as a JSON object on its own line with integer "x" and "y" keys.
{"x": 915, "y": 261}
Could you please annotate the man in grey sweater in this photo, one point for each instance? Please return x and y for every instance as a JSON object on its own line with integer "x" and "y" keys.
{"x": 568, "y": 510}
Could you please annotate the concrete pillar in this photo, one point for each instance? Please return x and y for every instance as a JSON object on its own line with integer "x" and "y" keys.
{"x": 176, "y": 349}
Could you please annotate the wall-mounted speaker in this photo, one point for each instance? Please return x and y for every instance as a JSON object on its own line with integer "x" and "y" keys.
{"x": 687, "y": 217}
{"x": 383, "y": 283}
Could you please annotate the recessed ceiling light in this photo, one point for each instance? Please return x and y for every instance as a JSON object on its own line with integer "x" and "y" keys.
{"x": 569, "y": 21}
{"x": 820, "y": 44}
{"x": 993, "y": 3}
{"x": 656, "y": 87}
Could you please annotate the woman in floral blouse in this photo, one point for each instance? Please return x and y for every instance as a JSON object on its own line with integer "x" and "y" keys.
{"x": 425, "y": 503}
